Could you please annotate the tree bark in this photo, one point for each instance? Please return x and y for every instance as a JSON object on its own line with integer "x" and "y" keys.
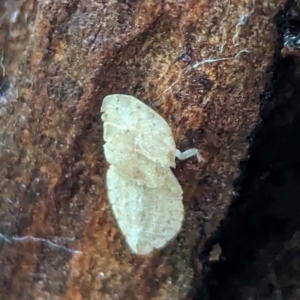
{"x": 200, "y": 64}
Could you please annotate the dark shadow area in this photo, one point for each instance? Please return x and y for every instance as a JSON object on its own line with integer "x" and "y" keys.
{"x": 259, "y": 236}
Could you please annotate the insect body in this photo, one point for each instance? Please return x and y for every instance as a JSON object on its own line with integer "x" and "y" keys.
{"x": 144, "y": 194}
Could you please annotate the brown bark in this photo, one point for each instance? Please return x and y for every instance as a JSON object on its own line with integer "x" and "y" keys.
{"x": 200, "y": 64}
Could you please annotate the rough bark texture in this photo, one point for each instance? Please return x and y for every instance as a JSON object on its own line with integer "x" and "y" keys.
{"x": 260, "y": 235}
{"x": 200, "y": 64}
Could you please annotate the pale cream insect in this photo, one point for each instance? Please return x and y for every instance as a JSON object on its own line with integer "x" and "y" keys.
{"x": 144, "y": 194}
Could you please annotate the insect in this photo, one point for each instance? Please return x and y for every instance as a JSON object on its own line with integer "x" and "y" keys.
{"x": 144, "y": 194}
